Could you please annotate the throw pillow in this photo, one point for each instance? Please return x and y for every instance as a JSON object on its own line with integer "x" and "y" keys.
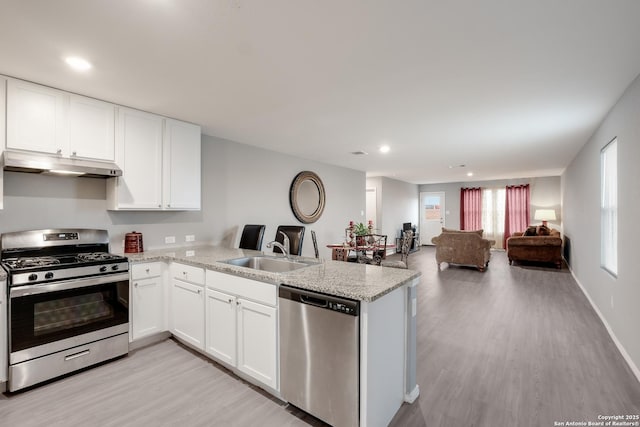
{"x": 543, "y": 231}
{"x": 530, "y": 231}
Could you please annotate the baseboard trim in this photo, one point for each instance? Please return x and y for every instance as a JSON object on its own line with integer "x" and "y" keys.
{"x": 413, "y": 395}
{"x": 618, "y": 344}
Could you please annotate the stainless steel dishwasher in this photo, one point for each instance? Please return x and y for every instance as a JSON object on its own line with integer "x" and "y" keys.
{"x": 320, "y": 355}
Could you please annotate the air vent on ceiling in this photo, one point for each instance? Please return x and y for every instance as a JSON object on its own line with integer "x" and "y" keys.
{"x": 359, "y": 153}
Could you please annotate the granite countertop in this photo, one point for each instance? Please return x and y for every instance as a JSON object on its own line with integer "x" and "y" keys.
{"x": 350, "y": 280}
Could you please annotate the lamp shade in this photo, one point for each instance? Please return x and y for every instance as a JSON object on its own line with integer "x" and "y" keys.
{"x": 545, "y": 215}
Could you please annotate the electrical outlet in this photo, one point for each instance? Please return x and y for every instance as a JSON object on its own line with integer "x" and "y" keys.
{"x": 170, "y": 239}
{"x": 190, "y": 253}
{"x": 189, "y": 238}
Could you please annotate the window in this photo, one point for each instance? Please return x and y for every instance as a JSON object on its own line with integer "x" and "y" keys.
{"x": 493, "y": 204}
{"x": 609, "y": 207}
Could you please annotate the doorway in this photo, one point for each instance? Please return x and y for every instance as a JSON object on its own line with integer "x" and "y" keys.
{"x": 432, "y": 218}
{"x": 372, "y": 206}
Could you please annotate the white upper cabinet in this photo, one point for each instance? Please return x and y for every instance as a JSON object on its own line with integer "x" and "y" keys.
{"x": 139, "y": 155}
{"x": 46, "y": 120}
{"x": 36, "y": 118}
{"x": 91, "y": 128}
{"x": 160, "y": 161}
{"x": 182, "y": 142}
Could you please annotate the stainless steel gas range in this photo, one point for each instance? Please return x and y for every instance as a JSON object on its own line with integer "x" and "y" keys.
{"x": 68, "y": 302}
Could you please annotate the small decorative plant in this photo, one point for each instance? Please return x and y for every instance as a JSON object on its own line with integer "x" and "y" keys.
{"x": 360, "y": 229}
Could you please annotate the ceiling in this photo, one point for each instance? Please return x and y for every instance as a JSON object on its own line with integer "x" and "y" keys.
{"x": 507, "y": 88}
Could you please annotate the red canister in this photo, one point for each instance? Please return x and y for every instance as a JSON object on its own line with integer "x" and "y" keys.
{"x": 133, "y": 243}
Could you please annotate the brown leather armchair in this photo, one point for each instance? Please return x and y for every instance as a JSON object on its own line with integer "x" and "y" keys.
{"x": 463, "y": 248}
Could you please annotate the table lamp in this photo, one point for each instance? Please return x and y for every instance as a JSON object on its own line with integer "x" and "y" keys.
{"x": 545, "y": 215}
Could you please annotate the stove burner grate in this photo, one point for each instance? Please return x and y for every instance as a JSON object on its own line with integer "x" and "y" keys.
{"x": 41, "y": 261}
{"x": 96, "y": 256}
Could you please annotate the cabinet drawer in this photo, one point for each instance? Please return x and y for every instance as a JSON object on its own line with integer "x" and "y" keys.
{"x": 246, "y": 288}
{"x": 187, "y": 273}
{"x": 144, "y": 271}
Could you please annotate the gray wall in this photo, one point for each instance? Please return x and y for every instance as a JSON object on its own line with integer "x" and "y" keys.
{"x": 545, "y": 193}
{"x": 616, "y": 298}
{"x": 397, "y": 203}
{"x": 240, "y": 184}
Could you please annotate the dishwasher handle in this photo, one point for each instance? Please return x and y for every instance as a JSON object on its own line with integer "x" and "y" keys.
{"x": 312, "y": 300}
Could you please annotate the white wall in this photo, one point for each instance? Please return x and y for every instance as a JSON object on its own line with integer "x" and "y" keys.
{"x": 397, "y": 203}
{"x": 240, "y": 184}
{"x": 615, "y": 298}
{"x": 545, "y": 193}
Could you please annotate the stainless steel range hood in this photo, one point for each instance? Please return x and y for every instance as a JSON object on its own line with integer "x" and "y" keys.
{"x": 51, "y": 165}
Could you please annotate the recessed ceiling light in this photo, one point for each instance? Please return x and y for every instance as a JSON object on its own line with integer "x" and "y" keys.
{"x": 78, "y": 64}
{"x": 385, "y": 149}
{"x": 469, "y": 173}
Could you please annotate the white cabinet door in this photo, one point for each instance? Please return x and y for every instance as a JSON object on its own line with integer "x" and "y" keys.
{"x": 3, "y": 331}
{"x": 36, "y": 118}
{"x": 221, "y": 326}
{"x": 91, "y": 128}
{"x": 257, "y": 338}
{"x": 182, "y": 142}
{"x": 139, "y": 155}
{"x": 147, "y": 307}
{"x": 187, "y": 312}
{"x": 3, "y": 115}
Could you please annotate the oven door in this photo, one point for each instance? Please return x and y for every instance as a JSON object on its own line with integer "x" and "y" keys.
{"x": 50, "y": 317}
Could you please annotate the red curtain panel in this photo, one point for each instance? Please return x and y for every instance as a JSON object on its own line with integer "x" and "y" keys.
{"x": 516, "y": 216}
{"x": 470, "y": 208}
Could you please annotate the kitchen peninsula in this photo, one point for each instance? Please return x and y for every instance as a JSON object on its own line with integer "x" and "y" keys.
{"x": 199, "y": 277}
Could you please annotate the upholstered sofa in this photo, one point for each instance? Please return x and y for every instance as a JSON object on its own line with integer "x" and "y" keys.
{"x": 535, "y": 246}
{"x": 463, "y": 248}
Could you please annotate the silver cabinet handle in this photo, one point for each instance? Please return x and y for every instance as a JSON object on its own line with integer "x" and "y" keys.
{"x": 135, "y": 285}
{"x": 199, "y": 290}
{"x": 147, "y": 271}
{"x": 59, "y": 151}
{"x": 73, "y": 154}
{"x": 230, "y": 300}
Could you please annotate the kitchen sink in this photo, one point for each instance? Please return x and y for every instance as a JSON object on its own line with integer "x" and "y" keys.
{"x": 271, "y": 264}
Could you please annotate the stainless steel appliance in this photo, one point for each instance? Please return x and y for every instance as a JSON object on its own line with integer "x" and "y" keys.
{"x": 320, "y": 355}
{"x": 68, "y": 302}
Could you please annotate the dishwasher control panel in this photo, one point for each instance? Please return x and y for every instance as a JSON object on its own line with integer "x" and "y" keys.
{"x": 341, "y": 307}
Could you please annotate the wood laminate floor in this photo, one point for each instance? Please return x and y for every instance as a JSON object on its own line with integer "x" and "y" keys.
{"x": 514, "y": 346}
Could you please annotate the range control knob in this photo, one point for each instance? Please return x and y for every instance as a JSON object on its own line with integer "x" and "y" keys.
{"x": 114, "y": 267}
{"x": 103, "y": 268}
{"x": 48, "y": 275}
{"x": 33, "y": 277}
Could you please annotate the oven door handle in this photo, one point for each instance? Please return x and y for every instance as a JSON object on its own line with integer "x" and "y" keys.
{"x": 41, "y": 288}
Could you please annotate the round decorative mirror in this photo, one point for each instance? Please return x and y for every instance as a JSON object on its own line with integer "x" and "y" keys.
{"x": 307, "y": 197}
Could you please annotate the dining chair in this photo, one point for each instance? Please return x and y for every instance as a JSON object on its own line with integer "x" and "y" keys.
{"x": 407, "y": 238}
{"x": 251, "y": 238}
{"x": 295, "y": 233}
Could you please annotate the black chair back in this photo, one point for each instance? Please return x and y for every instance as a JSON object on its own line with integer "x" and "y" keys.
{"x": 315, "y": 243}
{"x": 295, "y": 233}
{"x": 251, "y": 238}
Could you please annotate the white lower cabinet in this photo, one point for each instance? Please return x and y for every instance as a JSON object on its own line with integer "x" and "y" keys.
{"x": 221, "y": 329}
{"x": 187, "y": 304}
{"x": 148, "y": 314}
{"x": 241, "y": 325}
{"x": 256, "y": 334}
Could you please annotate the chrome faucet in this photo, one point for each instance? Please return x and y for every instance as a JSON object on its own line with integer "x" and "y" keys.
{"x": 283, "y": 247}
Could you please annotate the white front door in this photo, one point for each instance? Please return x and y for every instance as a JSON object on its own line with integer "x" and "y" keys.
{"x": 432, "y": 211}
